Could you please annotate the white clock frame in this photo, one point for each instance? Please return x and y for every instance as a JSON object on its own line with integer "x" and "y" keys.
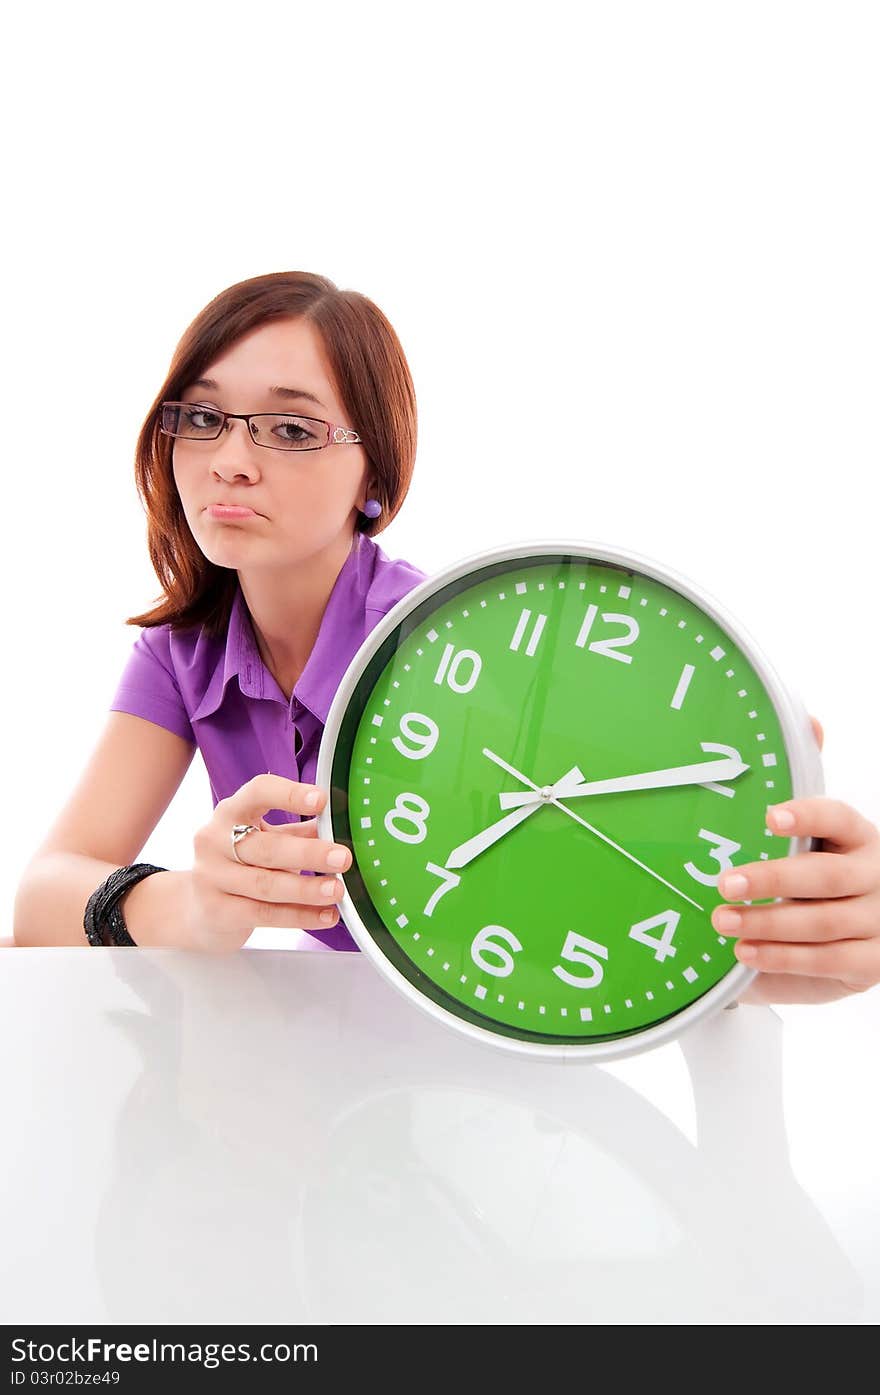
{"x": 800, "y": 746}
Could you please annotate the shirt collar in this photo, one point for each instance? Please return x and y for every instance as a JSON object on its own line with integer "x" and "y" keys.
{"x": 340, "y": 635}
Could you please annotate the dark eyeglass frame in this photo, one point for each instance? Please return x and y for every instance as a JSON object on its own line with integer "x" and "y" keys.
{"x": 336, "y": 435}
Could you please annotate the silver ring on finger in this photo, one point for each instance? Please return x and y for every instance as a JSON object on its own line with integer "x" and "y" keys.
{"x": 239, "y": 831}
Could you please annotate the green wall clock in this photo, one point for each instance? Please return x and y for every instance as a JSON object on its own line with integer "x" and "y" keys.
{"x": 543, "y": 759}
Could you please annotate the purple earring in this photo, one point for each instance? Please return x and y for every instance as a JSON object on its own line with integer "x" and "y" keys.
{"x": 372, "y": 508}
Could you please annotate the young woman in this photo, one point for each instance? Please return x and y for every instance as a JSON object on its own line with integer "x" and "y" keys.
{"x": 282, "y": 439}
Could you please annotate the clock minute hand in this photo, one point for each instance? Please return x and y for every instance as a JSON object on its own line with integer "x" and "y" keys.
{"x": 701, "y": 773}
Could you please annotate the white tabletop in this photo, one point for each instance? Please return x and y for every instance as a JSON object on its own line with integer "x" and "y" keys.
{"x": 282, "y": 1137}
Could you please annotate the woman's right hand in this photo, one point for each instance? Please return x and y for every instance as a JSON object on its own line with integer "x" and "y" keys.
{"x": 227, "y": 900}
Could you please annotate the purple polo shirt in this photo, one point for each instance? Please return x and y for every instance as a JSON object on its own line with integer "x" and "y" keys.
{"x": 219, "y": 694}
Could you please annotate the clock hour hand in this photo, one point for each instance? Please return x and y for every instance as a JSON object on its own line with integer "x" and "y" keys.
{"x": 466, "y": 852}
{"x": 701, "y": 773}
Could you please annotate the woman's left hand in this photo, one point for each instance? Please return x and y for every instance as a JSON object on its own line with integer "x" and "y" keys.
{"x": 823, "y": 941}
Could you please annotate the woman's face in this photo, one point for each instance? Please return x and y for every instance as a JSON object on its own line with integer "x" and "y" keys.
{"x": 303, "y": 500}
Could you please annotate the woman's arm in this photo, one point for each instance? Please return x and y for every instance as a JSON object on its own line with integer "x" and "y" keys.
{"x": 128, "y": 783}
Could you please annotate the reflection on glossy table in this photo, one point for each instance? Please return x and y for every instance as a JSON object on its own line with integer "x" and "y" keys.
{"x": 282, "y": 1137}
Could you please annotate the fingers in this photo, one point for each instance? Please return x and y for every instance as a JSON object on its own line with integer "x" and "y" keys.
{"x": 839, "y": 827}
{"x": 230, "y": 898}
{"x": 264, "y": 792}
{"x": 280, "y": 868}
{"x": 283, "y": 849}
{"x": 277, "y": 875}
{"x": 817, "y": 896}
{"x": 265, "y": 884}
{"x": 836, "y": 823}
{"x": 292, "y": 915}
{"x": 810, "y": 874}
{"x": 304, "y": 828}
{"x": 818, "y": 732}
{"x": 288, "y": 847}
{"x": 801, "y": 922}
{"x": 823, "y": 926}
{"x": 853, "y": 963}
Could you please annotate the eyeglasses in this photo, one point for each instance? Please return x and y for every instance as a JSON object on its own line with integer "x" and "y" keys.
{"x": 190, "y": 421}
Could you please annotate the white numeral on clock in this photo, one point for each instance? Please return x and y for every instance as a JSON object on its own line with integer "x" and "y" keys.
{"x": 721, "y": 853}
{"x": 733, "y": 754}
{"x": 576, "y": 949}
{"x": 608, "y": 646}
{"x": 454, "y": 664}
{"x": 684, "y": 683}
{"x": 449, "y": 880}
{"x": 662, "y": 947}
{"x": 524, "y": 618}
{"x": 483, "y": 944}
{"x": 424, "y": 742}
{"x": 408, "y": 808}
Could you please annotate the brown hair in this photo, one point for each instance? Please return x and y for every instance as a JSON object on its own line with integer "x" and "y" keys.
{"x": 374, "y": 384}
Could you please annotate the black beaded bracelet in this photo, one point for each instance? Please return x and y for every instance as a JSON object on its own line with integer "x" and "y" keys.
{"x": 103, "y": 913}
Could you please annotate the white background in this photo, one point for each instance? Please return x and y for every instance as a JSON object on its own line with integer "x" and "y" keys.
{"x": 630, "y": 250}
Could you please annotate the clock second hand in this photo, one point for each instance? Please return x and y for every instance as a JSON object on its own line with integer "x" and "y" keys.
{"x": 610, "y": 841}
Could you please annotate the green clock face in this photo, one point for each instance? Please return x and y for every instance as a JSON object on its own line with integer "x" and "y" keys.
{"x": 542, "y": 772}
